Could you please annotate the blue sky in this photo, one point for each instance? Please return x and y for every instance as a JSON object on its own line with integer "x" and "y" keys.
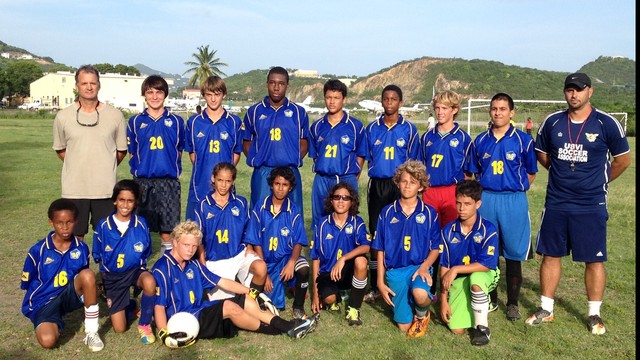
{"x": 332, "y": 37}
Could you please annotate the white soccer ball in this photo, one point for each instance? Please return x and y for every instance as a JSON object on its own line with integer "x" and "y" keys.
{"x": 183, "y": 322}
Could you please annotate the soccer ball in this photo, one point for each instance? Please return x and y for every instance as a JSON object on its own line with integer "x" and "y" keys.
{"x": 184, "y": 322}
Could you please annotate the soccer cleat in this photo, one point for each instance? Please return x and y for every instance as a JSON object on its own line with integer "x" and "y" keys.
{"x": 372, "y": 296}
{"x": 299, "y": 314}
{"x": 493, "y": 306}
{"x": 353, "y": 316}
{"x": 481, "y": 336}
{"x": 596, "y": 326}
{"x": 513, "y": 312}
{"x": 541, "y": 315}
{"x": 93, "y": 341}
{"x": 146, "y": 335}
{"x": 303, "y": 327}
{"x": 419, "y": 327}
{"x": 334, "y": 308}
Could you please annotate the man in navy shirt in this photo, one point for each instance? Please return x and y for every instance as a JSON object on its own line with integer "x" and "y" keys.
{"x": 574, "y": 145}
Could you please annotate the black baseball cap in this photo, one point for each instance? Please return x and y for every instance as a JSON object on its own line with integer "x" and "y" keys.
{"x": 578, "y": 80}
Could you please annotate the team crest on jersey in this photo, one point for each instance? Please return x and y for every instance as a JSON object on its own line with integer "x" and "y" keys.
{"x": 560, "y": 134}
{"x": 394, "y": 220}
{"x": 48, "y": 260}
{"x": 262, "y": 117}
{"x": 200, "y": 134}
{"x": 25, "y": 276}
{"x": 345, "y": 139}
{"x": 288, "y": 113}
{"x": 284, "y": 231}
{"x": 486, "y": 156}
{"x": 235, "y": 211}
{"x": 591, "y": 137}
{"x": 378, "y": 142}
{"x": 400, "y": 142}
{"x": 477, "y": 237}
{"x": 108, "y": 248}
{"x": 429, "y": 143}
{"x": 328, "y": 237}
{"x": 454, "y": 143}
{"x": 209, "y": 215}
{"x": 224, "y": 135}
{"x": 168, "y": 122}
{"x": 510, "y": 155}
{"x": 138, "y": 247}
{"x": 320, "y": 138}
{"x": 348, "y": 229}
{"x": 189, "y": 274}
{"x": 143, "y": 125}
{"x": 455, "y": 240}
{"x": 75, "y": 254}
{"x": 420, "y": 218}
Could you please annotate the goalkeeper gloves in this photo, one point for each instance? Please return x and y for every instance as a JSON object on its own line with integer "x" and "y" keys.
{"x": 176, "y": 340}
{"x": 263, "y": 301}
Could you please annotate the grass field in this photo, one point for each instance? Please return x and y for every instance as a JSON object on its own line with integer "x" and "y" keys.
{"x": 30, "y": 180}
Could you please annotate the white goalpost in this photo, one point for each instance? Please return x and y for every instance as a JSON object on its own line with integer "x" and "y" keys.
{"x": 557, "y": 105}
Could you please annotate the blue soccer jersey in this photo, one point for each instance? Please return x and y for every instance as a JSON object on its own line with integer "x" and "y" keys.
{"x": 445, "y": 156}
{"x": 156, "y": 145}
{"x": 275, "y": 134}
{"x": 390, "y": 146}
{"x": 480, "y": 245}
{"x": 335, "y": 148}
{"x": 406, "y": 240}
{"x": 580, "y": 169}
{"x": 503, "y": 164}
{"x": 117, "y": 252}
{"x": 277, "y": 234}
{"x": 183, "y": 289}
{"x": 211, "y": 142}
{"x": 47, "y": 271}
{"x": 223, "y": 227}
{"x": 330, "y": 241}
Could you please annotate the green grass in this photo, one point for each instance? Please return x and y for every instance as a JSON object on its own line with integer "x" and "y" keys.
{"x": 30, "y": 180}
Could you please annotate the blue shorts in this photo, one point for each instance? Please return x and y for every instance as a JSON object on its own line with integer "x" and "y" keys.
{"x": 509, "y": 212}
{"x": 260, "y": 187}
{"x": 277, "y": 294}
{"x": 118, "y": 285}
{"x": 321, "y": 186}
{"x": 582, "y": 233}
{"x": 399, "y": 281}
{"x": 67, "y": 301}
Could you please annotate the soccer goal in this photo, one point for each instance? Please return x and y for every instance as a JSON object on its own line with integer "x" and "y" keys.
{"x": 478, "y": 117}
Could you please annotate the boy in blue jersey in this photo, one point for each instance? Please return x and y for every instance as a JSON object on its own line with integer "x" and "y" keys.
{"x": 183, "y": 283}
{"x": 468, "y": 266}
{"x": 277, "y": 234}
{"x": 444, "y": 150}
{"x": 223, "y": 217}
{"x": 155, "y": 141}
{"x": 276, "y": 134}
{"x": 122, "y": 246}
{"x": 340, "y": 244}
{"x": 58, "y": 280}
{"x": 391, "y": 141}
{"x": 337, "y": 147}
{"x": 504, "y": 162}
{"x": 407, "y": 238}
{"x": 575, "y": 146}
{"x": 213, "y": 136}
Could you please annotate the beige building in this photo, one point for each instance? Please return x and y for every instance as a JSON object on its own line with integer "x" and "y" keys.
{"x": 306, "y": 73}
{"x": 122, "y": 91}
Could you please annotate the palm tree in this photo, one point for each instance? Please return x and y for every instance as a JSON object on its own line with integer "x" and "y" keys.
{"x": 206, "y": 64}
